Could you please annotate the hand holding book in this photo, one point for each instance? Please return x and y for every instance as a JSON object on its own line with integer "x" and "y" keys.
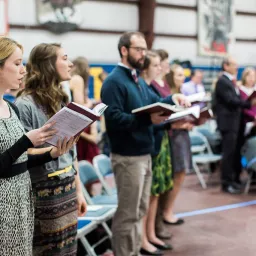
{"x": 71, "y": 120}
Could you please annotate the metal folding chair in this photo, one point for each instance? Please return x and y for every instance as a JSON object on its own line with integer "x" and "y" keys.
{"x": 102, "y": 164}
{"x": 204, "y": 156}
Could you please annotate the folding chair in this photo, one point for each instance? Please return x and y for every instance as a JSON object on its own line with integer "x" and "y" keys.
{"x": 96, "y": 215}
{"x": 204, "y": 157}
{"x": 102, "y": 164}
{"x": 84, "y": 227}
{"x": 88, "y": 175}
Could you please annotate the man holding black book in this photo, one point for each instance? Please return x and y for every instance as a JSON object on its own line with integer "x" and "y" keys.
{"x": 131, "y": 141}
{"x": 229, "y": 107}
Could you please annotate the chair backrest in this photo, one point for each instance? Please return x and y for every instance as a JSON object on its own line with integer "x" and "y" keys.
{"x": 103, "y": 164}
{"x": 87, "y": 172}
{"x": 199, "y": 140}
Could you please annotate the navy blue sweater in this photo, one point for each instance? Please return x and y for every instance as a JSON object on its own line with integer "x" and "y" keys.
{"x": 129, "y": 134}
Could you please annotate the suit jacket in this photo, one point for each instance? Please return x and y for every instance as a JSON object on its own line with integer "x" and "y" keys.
{"x": 228, "y": 106}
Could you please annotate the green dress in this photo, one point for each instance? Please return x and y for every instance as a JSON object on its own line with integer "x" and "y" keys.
{"x": 162, "y": 178}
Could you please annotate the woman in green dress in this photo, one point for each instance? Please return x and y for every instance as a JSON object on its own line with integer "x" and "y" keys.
{"x": 162, "y": 180}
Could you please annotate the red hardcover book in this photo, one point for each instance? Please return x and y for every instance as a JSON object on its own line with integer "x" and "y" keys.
{"x": 93, "y": 114}
{"x": 158, "y": 107}
{"x": 70, "y": 121}
{"x": 193, "y": 115}
{"x": 188, "y": 115}
{"x": 246, "y": 94}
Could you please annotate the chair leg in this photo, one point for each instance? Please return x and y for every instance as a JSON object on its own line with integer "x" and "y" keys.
{"x": 107, "y": 229}
{"x": 89, "y": 249}
{"x": 199, "y": 175}
{"x": 248, "y": 183}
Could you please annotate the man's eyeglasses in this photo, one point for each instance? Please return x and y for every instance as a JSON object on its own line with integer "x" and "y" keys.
{"x": 139, "y": 49}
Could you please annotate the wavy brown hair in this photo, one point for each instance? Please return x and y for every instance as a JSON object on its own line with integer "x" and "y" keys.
{"x": 42, "y": 80}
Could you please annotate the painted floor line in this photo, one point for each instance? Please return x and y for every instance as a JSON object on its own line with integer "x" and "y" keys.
{"x": 215, "y": 209}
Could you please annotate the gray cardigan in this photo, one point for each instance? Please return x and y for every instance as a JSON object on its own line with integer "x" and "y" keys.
{"x": 33, "y": 117}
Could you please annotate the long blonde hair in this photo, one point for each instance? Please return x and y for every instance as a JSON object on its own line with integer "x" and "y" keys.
{"x": 245, "y": 73}
{"x": 7, "y": 48}
{"x": 42, "y": 80}
{"x": 170, "y": 78}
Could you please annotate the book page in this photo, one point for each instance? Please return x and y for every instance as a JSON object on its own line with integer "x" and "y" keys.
{"x": 195, "y": 111}
{"x": 99, "y": 109}
{"x": 196, "y": 97}
{"x": 68, "y": 124}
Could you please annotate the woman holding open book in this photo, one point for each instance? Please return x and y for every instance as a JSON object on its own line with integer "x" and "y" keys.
{"x": 87, "y": 147}
{"x": 181, "y": 153}
{"x": 247, "y": 88}
{"x": 16, "y": 207}
{"x": 161, "y": 164}
{"x": 56, "y": 185}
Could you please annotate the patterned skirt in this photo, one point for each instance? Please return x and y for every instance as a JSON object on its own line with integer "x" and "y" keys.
{"x": 162, "y": 178}
{"x": 16, "y": 216}
{"x": 55, "y": 217}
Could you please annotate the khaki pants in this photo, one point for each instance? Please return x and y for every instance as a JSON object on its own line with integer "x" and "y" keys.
{"x": 133, "y": 181}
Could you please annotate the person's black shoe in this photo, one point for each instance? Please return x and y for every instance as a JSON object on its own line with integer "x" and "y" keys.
{"x": 231, "y": 189}
{"x": 163, "y": 247}
{"x": 145, "y": 252}
{"x": 177, "y": 222}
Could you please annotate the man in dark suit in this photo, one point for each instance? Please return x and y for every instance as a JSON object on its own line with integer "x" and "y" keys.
{"x": 229, "y": 107}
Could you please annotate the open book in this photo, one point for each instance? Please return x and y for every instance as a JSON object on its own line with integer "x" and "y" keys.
{"x": 249, "y": 95}
{"x": 199, "y": 97}
{"x": 205, "y": 114}
{"x": 187, "y": 115}
{"x": 158, "y": 107}
{"x": 193, "y": 115}
{"x": 73, "y": 119}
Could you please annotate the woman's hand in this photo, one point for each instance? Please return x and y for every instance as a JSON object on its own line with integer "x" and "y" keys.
{"x": 40, "y": 136}
{"x": 63, "y": 147}
{"x": 81, "y": 203}
{"x": 181, "y": 100}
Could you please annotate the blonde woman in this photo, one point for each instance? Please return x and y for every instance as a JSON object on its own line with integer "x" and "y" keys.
{"x": 16, "y": 205}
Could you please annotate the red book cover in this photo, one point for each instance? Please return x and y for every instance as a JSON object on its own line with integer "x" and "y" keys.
{"x": 157, "y": 107}
{"x": 86, "y": 112}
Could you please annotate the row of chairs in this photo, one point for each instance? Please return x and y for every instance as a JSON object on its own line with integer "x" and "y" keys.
{"x": 202, "y": 154}
{"x": 101, "y": 208}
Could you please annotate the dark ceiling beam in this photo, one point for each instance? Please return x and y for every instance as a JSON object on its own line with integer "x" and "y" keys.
{"x": 146, "y": 20}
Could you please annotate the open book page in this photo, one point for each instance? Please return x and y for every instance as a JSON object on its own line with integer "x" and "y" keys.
{"x": 158, "y": 107}
{"x": 199, "y": 97}
{"x": 99, "y": 109}
{"x": 68, "y": 123}
{"x": 189, "y": 114}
